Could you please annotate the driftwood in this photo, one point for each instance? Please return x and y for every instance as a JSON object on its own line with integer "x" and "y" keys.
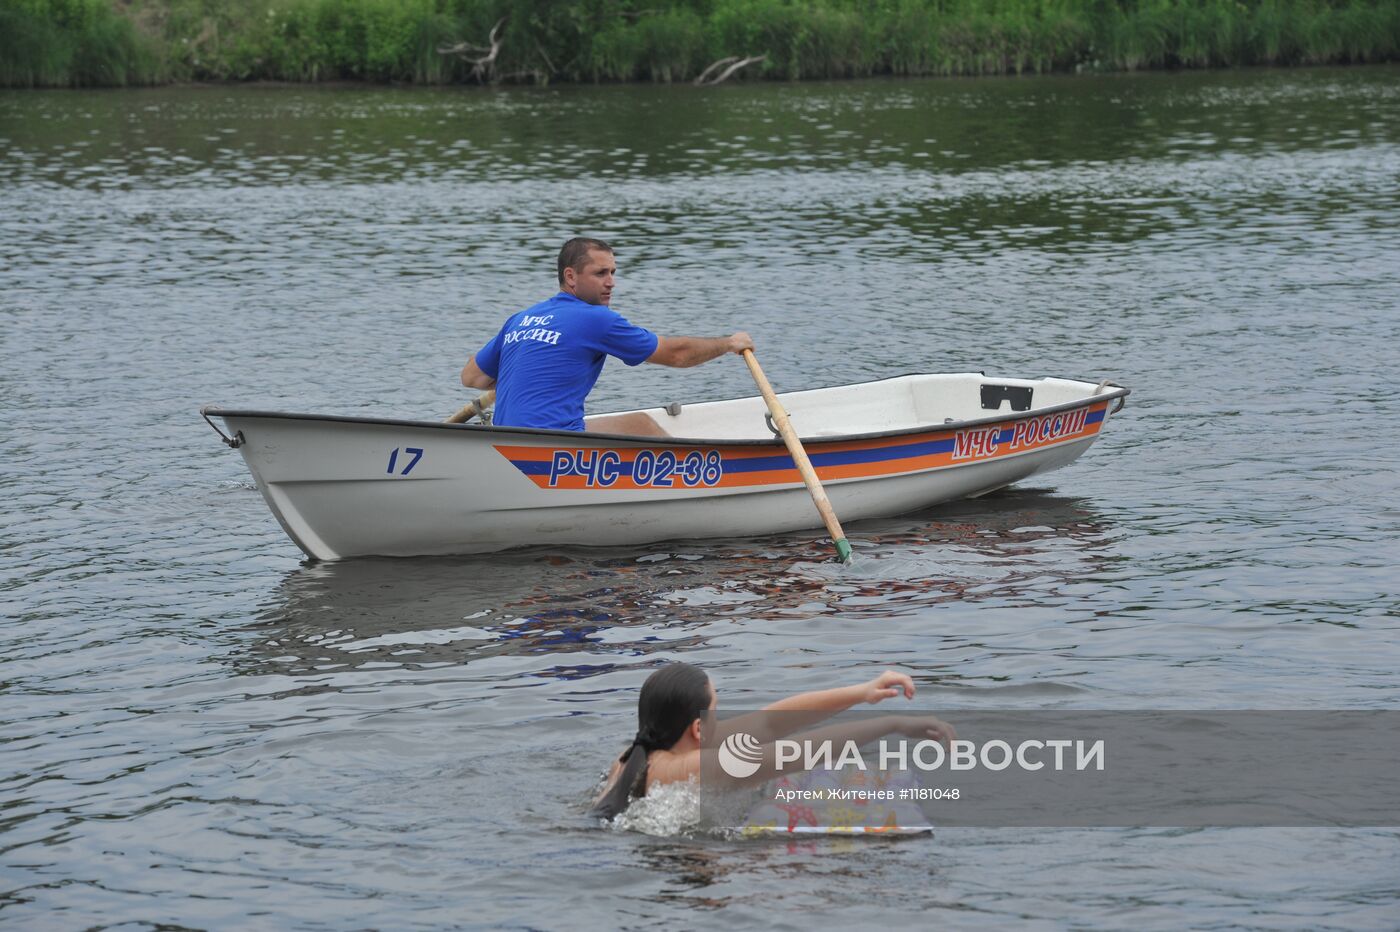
{"x": 484, "y": 64}
{"x": 734, "y": 62}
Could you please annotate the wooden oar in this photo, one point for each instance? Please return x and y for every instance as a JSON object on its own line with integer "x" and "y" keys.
{"x": 475, "y": 409}
{"x": 799, "y": 456}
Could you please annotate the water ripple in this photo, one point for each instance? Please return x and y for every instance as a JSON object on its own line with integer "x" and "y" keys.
{"x": 208, "y": 733}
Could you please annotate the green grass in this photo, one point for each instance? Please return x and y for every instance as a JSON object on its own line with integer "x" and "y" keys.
{"x": 115, "y": 42}
{"x": 46, "y": 43}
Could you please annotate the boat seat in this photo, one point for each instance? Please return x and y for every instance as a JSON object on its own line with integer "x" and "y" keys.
{"x": 632, "y": 423}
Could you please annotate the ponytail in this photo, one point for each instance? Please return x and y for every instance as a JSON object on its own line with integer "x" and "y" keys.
{"x": 631, "y": 781}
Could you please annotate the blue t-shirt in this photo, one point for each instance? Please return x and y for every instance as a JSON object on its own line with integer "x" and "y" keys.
{"x": 546, "y": 359}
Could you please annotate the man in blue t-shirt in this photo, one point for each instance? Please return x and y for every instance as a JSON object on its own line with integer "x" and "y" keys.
{"x": 546, "y": 359}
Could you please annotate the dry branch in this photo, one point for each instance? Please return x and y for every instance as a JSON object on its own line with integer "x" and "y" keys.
{"x": 484, "y": 65}
{"x": 714, "y": 67}
{"x": 734, "y": 62}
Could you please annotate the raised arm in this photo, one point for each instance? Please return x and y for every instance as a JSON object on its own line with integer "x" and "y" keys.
{"x": 806, "y": 709}
{"x": 887, "y": 685}
{"x": 684, "y": 352}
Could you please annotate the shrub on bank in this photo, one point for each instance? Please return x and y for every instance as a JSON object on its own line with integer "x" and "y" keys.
{"x": 47, "y": 43}
{"x": 104, "y": 42}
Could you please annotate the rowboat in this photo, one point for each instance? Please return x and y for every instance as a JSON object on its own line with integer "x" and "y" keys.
{"x": 358, "y": 486}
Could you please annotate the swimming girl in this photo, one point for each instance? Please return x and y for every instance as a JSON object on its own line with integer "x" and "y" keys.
{"x": 672, "y": 708}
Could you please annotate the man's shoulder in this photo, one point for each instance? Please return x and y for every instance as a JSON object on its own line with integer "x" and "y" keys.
{"x": 563, "y": 302}
{"x": 548, "y": 305}
{"x": 564, "y": 308}
{"x": 595, "y": 315}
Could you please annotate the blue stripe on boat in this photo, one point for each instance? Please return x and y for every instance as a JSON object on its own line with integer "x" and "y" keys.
{"x": 840, "y": 458}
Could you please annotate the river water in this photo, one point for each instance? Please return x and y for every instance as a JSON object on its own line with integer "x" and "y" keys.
{"x": 201, "y": 730}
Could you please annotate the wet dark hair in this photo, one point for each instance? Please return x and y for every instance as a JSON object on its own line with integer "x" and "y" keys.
{"x": 671, "y": 699}
{"x": 575, "y": 253}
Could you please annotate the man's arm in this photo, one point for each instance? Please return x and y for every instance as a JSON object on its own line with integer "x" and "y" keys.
{"x": 473, "y": 377}
{"x": 684, "y": 352}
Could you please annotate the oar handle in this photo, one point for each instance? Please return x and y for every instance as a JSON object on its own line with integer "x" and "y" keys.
{"x": 799, "y": 457}
{"x": 475, "y": 408}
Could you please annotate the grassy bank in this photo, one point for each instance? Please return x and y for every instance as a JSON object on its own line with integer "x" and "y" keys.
{"x": 116, "y": 42}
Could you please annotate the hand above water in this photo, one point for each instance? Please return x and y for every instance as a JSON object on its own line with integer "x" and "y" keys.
{"x": 888, "y": 685}
{"x": 926, "y": 727}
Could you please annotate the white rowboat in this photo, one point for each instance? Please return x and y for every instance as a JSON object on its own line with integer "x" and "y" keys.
{"x": 358, "y": 486}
